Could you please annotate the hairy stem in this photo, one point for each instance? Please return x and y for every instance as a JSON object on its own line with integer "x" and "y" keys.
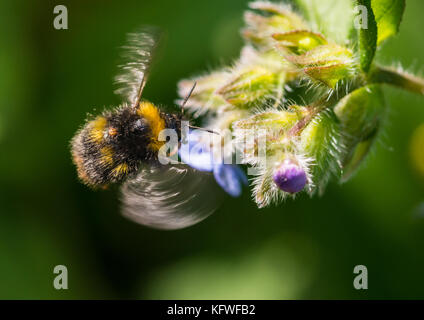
{"x": 397, "y": 78}
{"x": 313, "y": 110}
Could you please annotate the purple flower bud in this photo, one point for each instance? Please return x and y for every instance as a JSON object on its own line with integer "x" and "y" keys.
{"x": 290, "y": 177}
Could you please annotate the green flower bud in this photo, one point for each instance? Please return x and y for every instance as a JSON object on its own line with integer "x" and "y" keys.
{"x": 320, "y": 142}
{"x": 325, "y": 64}
{"x": 310, "y": 140}
{"x": 299, "y": 41}
{"x": 301, "y": 135}
{"x": 257, "y": 78}
{"x": 360, "y": 114}
{"x": 285, "y": 175}
{"x": 204, "y": 97}
{"x": 274, "y": 18}
{"x": 280, "y": 120}
{"x": 269, "y": 127}
{"x": 328, "y": 75}
{"x": 251, "y": 87}
{"x": 224, "y": 120}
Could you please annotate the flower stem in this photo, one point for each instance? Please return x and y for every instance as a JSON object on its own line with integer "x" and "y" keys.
{"x": 313, "y": 110}
{"x": 397, "y": 78}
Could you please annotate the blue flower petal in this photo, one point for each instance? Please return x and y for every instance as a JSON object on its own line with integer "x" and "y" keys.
{"x": 197, "y": 158}
{"x": 230, "y": 178}
{"x": 196, "y": 154}
{"x": 241, "y": 175}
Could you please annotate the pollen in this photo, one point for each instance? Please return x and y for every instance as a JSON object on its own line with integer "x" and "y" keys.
{"x": 97, "y": 127}
{"x": 120, "y": 169}
{"x": 112, "y": 132}
{"x": 151, "y": 113}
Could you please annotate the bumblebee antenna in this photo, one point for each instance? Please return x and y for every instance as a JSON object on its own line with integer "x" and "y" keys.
{"x": 182, "y": 110}
{"x": 139, "y": 92}
{"x": 188, "y": 97}
{"x": 203, "y": 129}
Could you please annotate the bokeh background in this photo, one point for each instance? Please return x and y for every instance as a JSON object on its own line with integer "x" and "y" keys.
{"x": 50, "y": 79}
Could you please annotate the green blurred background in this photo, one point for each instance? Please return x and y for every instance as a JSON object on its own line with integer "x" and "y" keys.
{"x": 307, "y": 248}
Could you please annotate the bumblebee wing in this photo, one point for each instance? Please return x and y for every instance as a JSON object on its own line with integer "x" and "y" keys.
{"x": 137, "y": 55}
{"x": 170, "y": 197}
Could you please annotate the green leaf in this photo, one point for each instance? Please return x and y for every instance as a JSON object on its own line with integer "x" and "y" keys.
{"x": 334, "y": 18}
{"x": 367, "y": 38}
{"x": 388, "y": 15}
{"x": 360, "y": 114}
{"x": 356, "y": 158}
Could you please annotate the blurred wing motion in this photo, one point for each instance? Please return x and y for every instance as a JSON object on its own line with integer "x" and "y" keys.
{"x": 138, "y": 54}
{"x": 170, "y": 197}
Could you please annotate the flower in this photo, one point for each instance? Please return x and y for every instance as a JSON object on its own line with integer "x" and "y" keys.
{"x": 290, "y": 177}
{"x": 198, "y": 155}
{"x": 303, "y": 101}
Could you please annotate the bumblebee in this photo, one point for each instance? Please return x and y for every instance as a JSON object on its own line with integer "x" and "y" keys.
{"x": 112, "y": 147}
{"x": 122, "y": 145}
